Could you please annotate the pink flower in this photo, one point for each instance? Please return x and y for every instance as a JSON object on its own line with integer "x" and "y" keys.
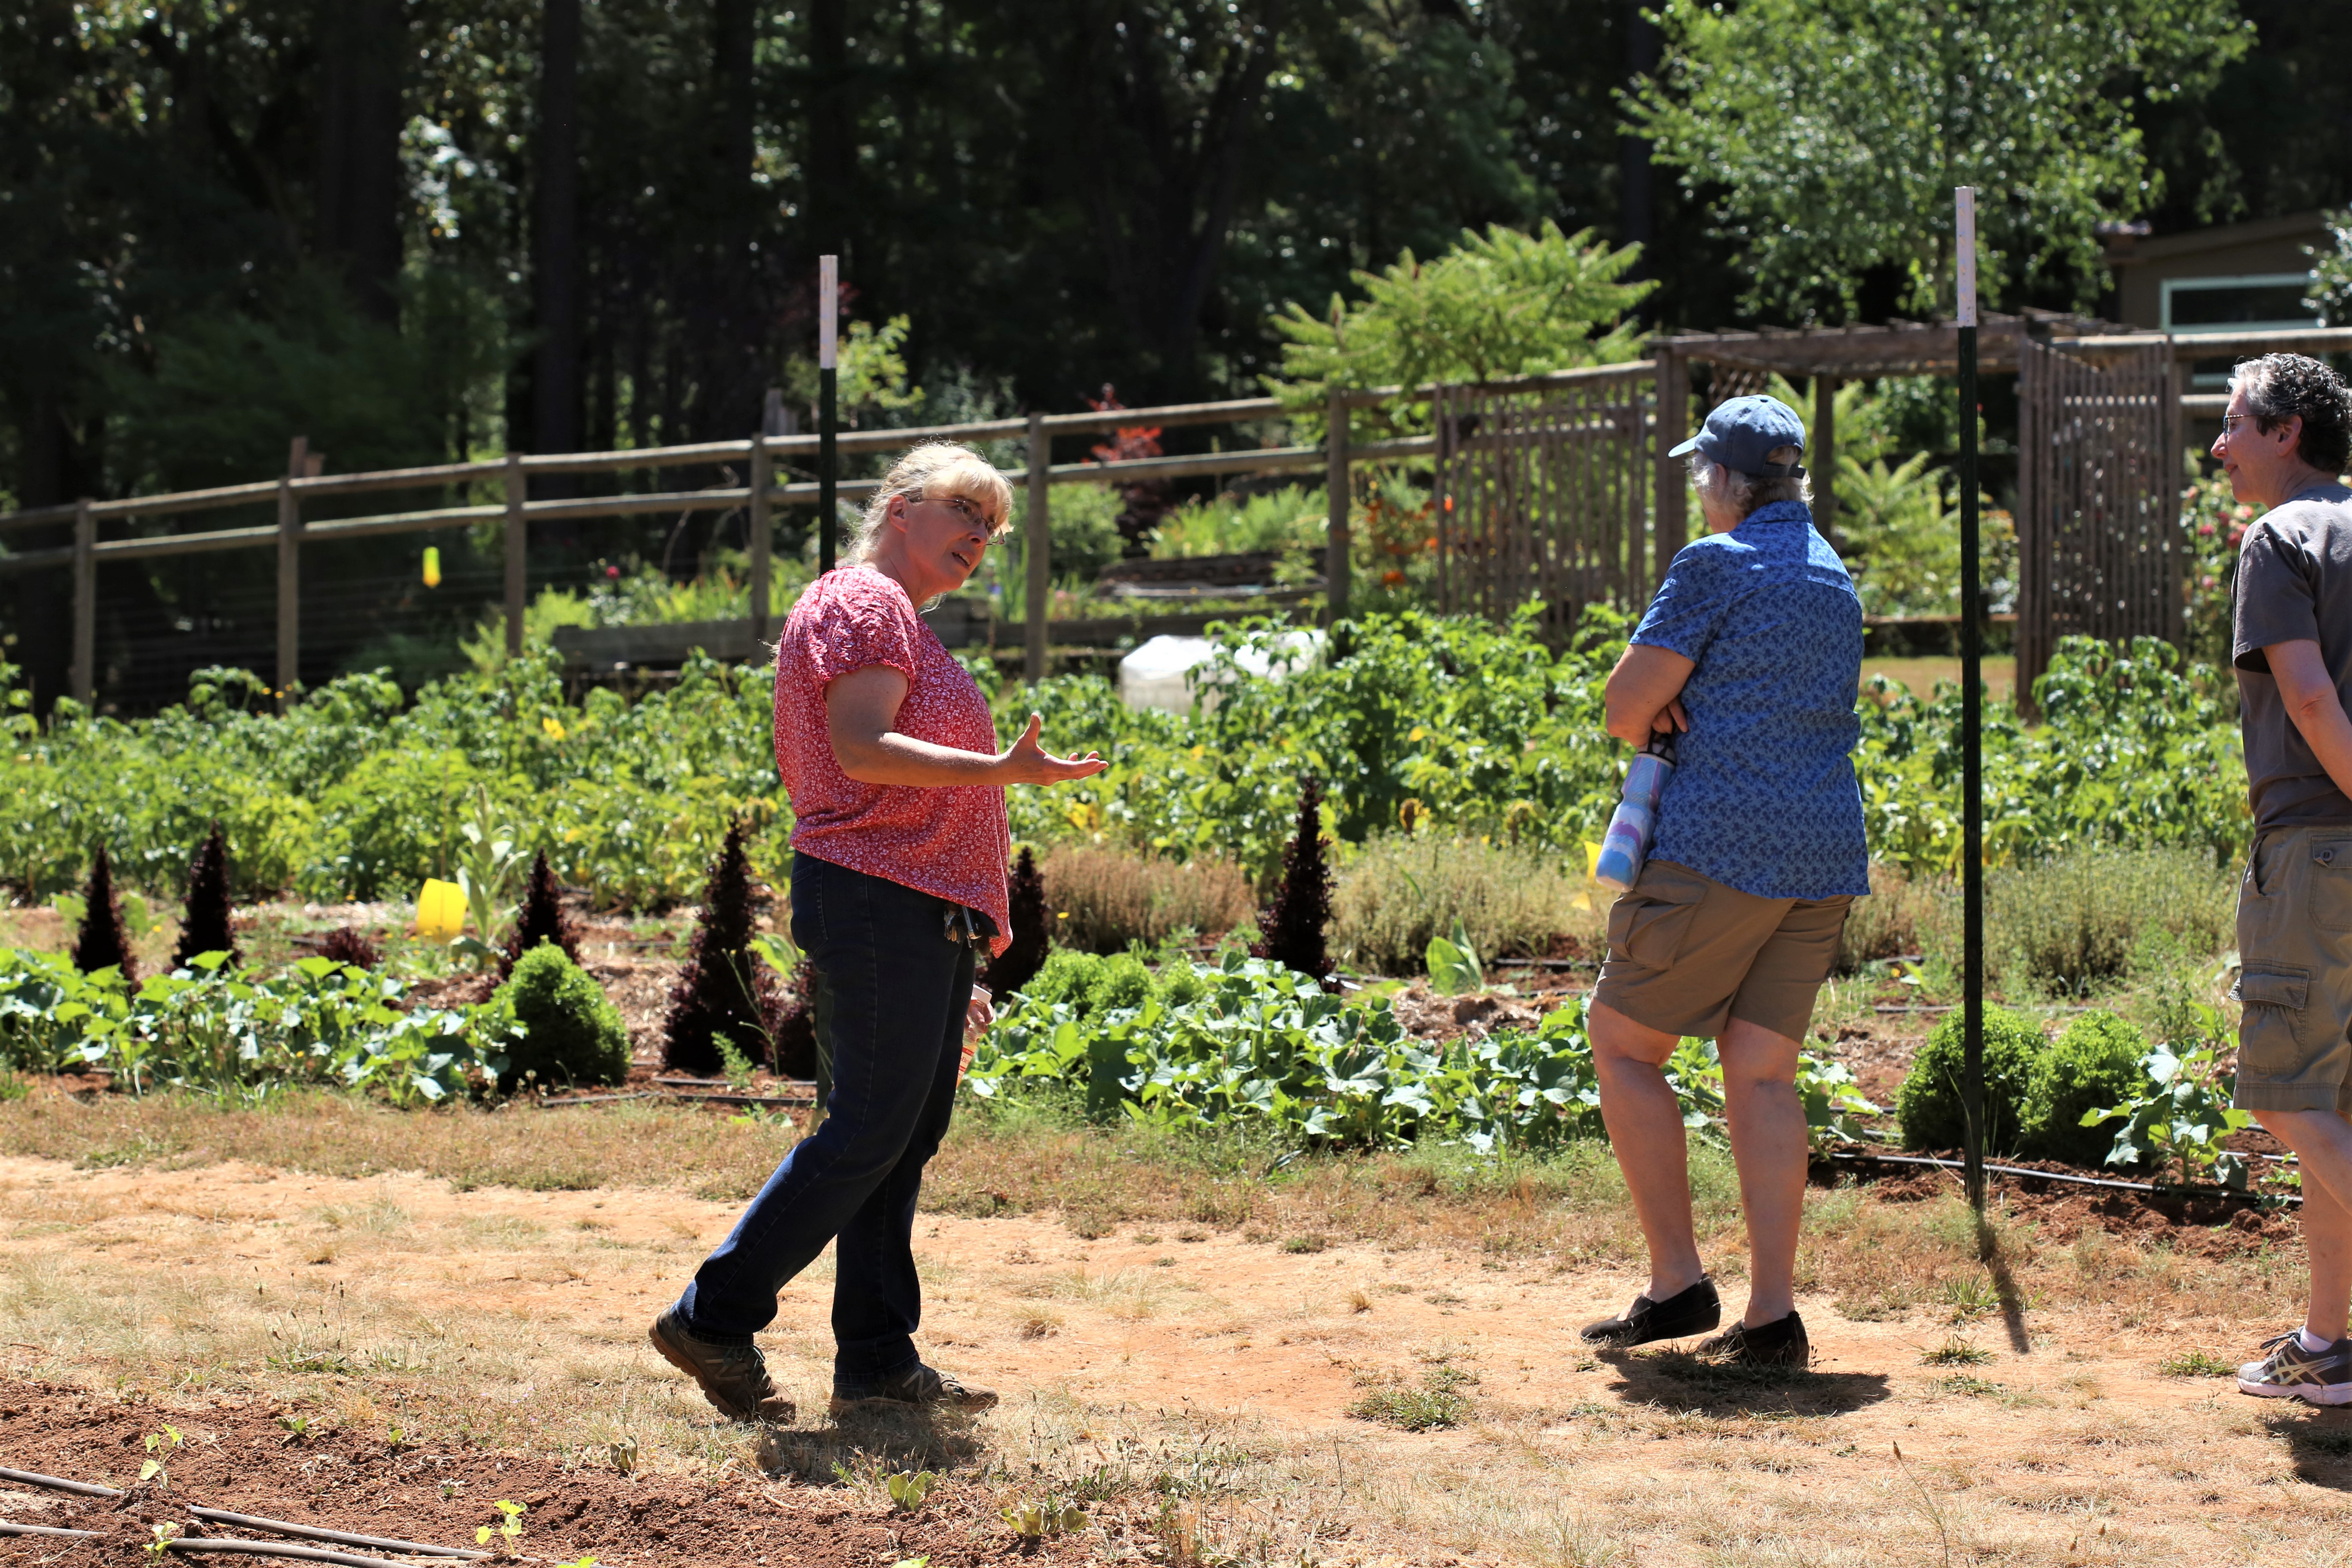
{"x": 2204, "y": 531}
{"x": 612, "y": 571}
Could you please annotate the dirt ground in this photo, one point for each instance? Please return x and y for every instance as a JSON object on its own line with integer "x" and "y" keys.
{"x": 393, "y": 1356}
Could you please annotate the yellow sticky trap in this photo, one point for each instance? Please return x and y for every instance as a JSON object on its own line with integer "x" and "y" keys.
{"x": 440, "y": 910}
{"x": 432, "y": 567}
{"x": 1591, "y": 859}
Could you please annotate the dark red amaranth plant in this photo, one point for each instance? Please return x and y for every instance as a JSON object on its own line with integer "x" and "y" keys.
{"x": 540, "y": 919}
{"x": 797, "y": 1027}
{"x": 102, "y": 941}
{"x": 349, "y": 944}
{"x": 1018, "y": 964}
{"x": 1290, "y": 930}
{"x": 206, "y": 927}
{"x": 726, "y": 991}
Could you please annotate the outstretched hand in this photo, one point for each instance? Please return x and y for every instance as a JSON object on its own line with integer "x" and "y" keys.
{"x": 1027, "y": 763}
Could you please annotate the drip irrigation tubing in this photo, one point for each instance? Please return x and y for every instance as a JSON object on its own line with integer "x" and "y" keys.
{"x": 229, "y": 1543}
{"x": 2182, "y": 1189}
{"x": 253, "y": 1521}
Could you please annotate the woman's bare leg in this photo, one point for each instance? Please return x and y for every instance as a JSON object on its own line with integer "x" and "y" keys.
{"x": 1770, "y": 1145}
{"x": 1645, "y": 1132}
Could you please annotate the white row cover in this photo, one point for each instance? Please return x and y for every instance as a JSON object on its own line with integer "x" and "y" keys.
{"x": 1153, "y": 676}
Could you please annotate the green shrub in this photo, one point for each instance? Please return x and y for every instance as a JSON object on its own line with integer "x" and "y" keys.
{"x": 574, "y": 1033}
{"x": 1398, "y": 892}
{"x": 1090, "y": 984}
{"x": 2094, "y": 1064}
{"x": 2067, "y": 923}
{"x": 1929, "y": 1102}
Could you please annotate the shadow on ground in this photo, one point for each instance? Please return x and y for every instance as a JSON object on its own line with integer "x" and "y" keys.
{"x": 1676, "y": 1380}
{"x": 2320, "y": 1443}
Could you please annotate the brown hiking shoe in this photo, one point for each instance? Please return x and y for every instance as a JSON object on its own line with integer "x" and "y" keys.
{"x": 734, "y": 1378}
{"x": 921, "y": 1388}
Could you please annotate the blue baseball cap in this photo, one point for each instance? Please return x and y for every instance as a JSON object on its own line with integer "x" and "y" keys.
{"x": 1743, "y": 429}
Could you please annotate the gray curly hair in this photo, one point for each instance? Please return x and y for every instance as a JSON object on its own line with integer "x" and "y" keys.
{"x": 1746, "y": 493}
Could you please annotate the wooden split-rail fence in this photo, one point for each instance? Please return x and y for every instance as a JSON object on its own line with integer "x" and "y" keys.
{"x": 1556, "y": 487}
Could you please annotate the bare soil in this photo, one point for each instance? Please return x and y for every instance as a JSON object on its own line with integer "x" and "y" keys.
{"x": 1193, "y": 1384}
{"x": 239, "y": 1456}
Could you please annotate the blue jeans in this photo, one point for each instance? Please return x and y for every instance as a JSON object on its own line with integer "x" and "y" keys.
{"x": 892, "y": 989}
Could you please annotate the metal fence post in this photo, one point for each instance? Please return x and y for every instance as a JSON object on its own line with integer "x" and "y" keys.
{"x": 289, "y": 572}
{"x": 1039, "y": 548}
{"x": 517, "y": 546}
{"x": 81, "y": 681}
{"x": 764, "y": 476}
{"x": 1337, "y": 495}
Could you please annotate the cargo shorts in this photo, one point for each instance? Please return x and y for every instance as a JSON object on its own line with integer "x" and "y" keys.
{"x": 1687, "y": 954}
{"x": 2294, "y": 976}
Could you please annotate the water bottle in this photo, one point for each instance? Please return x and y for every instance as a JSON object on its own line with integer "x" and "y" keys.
{"x": 1634, "y": 826}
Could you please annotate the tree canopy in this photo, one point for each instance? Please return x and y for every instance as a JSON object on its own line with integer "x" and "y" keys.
{"x": 1827, "y": 135}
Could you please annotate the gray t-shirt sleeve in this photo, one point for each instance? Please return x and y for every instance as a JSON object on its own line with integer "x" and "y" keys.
{"x": 2277, "y": 597}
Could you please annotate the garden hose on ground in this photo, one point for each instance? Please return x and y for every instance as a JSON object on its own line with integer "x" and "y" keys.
{"x": 249, "y": 1521}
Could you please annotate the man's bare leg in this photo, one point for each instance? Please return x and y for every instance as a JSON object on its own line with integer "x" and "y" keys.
{"x": 1645, "y": 1133}
{"x": 2322, "y": 1142}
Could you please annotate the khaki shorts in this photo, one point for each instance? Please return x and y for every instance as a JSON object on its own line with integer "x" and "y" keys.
{"x": 1686, "y": 954}
{"x": 2295, "y": 949}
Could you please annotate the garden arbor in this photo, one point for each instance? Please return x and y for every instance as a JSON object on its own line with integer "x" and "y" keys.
{"x": 1547, "y": 484}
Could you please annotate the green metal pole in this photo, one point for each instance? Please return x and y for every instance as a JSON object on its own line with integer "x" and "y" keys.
{"x": 1973, "y": 1087}
{"x": 828, "y": 292}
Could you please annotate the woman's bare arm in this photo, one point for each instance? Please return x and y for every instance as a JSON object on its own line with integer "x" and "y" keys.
{"x": 1645, "y": 693}
{"x": 861, "y": 707}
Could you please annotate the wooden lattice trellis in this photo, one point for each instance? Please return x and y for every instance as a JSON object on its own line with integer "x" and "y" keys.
{"x": 2098, "y": 535}
{"x": 1544, "y": 489}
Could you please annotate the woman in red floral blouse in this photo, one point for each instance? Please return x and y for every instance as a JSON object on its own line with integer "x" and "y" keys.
{"x": 890, "y": 754}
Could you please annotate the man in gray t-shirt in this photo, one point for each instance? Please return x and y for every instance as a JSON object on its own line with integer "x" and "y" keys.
{"x": 2287, "y": 435}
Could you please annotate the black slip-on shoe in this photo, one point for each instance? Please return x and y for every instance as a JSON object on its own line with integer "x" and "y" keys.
{"x": 734, "y": 1378}
{"x": 1778, "y": 1343}
{"x": 1679, "y": 1316}
{"x": 919, "y": 1387}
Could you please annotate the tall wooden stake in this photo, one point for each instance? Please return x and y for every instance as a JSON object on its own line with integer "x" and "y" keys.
{"x": 1973, "y": 1087}
{"x": 828, "y": 301}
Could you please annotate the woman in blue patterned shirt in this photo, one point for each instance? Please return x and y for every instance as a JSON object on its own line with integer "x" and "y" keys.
{"x": 1749, "y": 656}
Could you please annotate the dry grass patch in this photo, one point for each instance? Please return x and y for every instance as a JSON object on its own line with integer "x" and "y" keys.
{"x": 1103, "y": 900}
